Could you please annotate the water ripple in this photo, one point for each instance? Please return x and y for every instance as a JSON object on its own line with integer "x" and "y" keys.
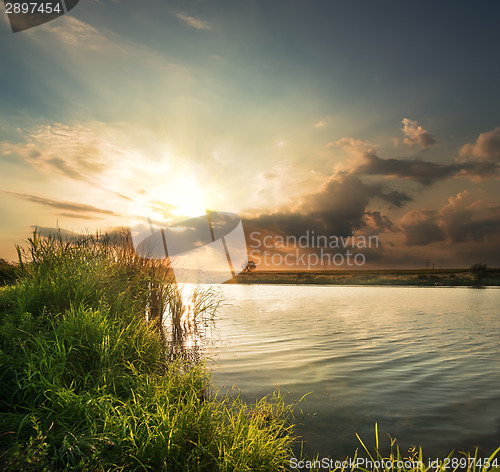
{"x": 422, "y": 362}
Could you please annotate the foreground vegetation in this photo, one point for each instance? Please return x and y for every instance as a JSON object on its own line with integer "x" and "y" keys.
{"x": 93, "y": 377}
{"x": 86, "y": 383}
{"x": 394, "y": 461}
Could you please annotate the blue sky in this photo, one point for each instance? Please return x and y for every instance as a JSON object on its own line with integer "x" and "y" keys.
{"x": 281, "y": 109}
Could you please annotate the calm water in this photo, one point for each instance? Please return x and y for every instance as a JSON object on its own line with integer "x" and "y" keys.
{"x": 424, "y": 363}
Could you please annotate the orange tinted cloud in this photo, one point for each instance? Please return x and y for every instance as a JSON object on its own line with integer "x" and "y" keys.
{"x": 416, "y": 135}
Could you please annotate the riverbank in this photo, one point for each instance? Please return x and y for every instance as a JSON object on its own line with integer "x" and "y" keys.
{"x": 86, "y": 382}
{"x": 420, "y": 278}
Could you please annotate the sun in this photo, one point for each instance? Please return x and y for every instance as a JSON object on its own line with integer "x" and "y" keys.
{"x": 168, "y": 204}
{"x": 181, "y": 198}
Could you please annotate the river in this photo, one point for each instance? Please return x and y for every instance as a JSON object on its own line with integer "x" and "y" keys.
{"x": 424, "y": 363}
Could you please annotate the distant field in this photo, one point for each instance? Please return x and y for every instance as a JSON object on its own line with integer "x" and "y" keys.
{"x": 423, "y": 277}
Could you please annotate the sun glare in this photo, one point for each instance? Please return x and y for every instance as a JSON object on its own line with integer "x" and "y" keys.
{"x": 181, "y": 198}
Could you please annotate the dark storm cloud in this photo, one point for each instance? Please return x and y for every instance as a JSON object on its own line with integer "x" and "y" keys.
{"x": 420, "y": 227}
{"x": 345, "y": 198}
{"x": 376, "y": 222}
{"x": 469, "y": 221}
{"x": 367, "y": 162}
{"x": 481, "y": 169}
{"x": 424, "y": 172}
{"x": 343, "y": 205}
{"x": 338, "y": 208}
{"x": 477, "y": 160}
{"x": 473, "y": 230}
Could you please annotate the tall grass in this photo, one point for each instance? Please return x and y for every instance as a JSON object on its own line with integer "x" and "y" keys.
{"x": 87, "y": 381}
{"x": 395, "y": 461}
{"x": 94, "y": 375}
{"x": 191, "y": 311}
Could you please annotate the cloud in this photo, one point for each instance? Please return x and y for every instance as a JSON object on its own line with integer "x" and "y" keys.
{"x": 465, "y": 218}
{"x": 106, "y": 156}
{"x": 61, "y": 205}
{"x": 424, "y": 172}
{"x": 468, "y": 218}
{"x": 369, "y": 163}
{"x": 416, "y": 135}
{"x": 192, "y": 21}
{"x": 321, "y": 123}
{"x": 73, "y": 32}
{"x": 337, "y": 208}
{"x": 478, "y": 160}
{"x": 80, "y": 216}
{"x": 269, "y": 175}
{"x": 482, "y": 158}
{"x": 375, "y": 223}
{"x": 84, "y": 43}
{"x": 356, "y": 147}
{"x": 420, "y": 227}
{"x": 73, "y": 151}
{"x": 345, "y": 204}
{"x": 486, "y": 147}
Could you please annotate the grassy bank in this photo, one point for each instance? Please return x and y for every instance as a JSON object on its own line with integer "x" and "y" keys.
{"x": 86, "y": 382}
{"x": 90, "y": 381}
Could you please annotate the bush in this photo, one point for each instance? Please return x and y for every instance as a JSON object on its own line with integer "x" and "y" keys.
{"x": 479, "y": 272}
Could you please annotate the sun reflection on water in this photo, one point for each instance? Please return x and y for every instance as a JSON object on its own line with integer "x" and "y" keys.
{"x": 191, "y": 314}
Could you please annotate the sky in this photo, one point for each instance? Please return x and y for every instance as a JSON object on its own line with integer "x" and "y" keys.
{"x": 327, "y": 117}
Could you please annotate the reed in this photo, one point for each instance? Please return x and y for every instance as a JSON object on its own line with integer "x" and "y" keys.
{"x": 373, "y": 460}
{"x": 95, "y": 375}
{"x": 86, "y": 380}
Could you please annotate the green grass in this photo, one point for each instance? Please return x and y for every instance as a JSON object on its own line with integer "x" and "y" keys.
{"x": 86, "y": 383}
{"x": 394, "y": 461}
{"x": 89, "y": 380}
